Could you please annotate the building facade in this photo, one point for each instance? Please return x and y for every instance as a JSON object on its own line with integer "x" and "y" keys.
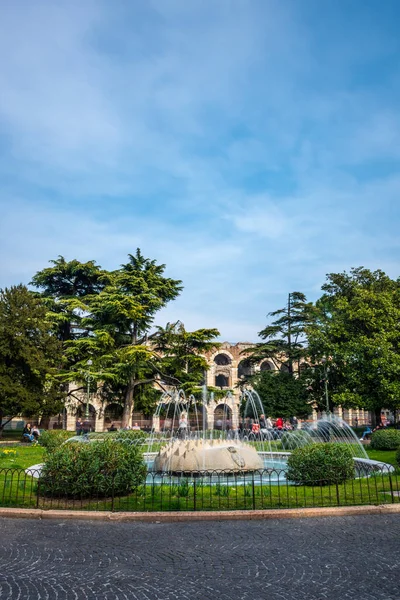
{"x": 227, "y": 366}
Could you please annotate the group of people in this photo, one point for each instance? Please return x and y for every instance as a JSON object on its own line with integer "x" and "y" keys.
{"x": 265, "y": 424}
{"x": 85, "y": 427}
{"x": 31, "y": 434}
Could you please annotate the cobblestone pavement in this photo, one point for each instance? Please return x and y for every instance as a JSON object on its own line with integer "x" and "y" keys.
{"x": 303, "y": 559}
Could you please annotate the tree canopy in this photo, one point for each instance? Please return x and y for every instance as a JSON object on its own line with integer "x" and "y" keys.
{"x": 357, "y": 331}
{"x": 30, "y": 355}
{"x": 284, "y": 340}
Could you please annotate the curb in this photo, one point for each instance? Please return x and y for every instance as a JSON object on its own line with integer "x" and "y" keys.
{"x": 165, "y": 517}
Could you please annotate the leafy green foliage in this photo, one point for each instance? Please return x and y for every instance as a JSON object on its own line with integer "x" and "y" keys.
{"x": 320, "y": 464}
{"x": 64, "y": 286}
{"x": 295, "y": 439}
{"x": 358, "y": 330}
{"x": 282, "y": 394}
{"x": 129, "y": 435}
{"x": 29, "y": 356}
{"x": 106, "y": 316}
{"x": 81, "y": 470}
{"x": 385, "y": 439}
{"x": 181, "y": 353}
{"x": 284, "y": 339}
{"x": 52, "y": 439}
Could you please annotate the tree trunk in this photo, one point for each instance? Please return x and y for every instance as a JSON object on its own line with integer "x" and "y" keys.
{"x": 289, "y": 338}
{"x": 128, "y": 405}
{"x": 44, "y": 422}
{"x": 376, "y": 416}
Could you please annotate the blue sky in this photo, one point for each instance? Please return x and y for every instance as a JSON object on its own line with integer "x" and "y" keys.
{"x": 251, "y": 145}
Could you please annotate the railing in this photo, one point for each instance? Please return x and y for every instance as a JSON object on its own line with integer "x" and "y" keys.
{"x": 213, "y": 491}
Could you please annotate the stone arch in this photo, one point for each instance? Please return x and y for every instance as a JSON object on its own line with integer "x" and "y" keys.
{"x": 222, "y": 359}
{"x": 266, "y": 365}
{"x": 221, "y": 380}
{"x": 244, "y": 368}
{"x": 222, "y": 417}
{"x": 113, "y": 415}
{"x": 196, "y": 418}
{"x": 81, "y": 413}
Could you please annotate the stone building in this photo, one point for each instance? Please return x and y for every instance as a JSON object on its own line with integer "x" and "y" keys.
{"x": 227, "y": 365}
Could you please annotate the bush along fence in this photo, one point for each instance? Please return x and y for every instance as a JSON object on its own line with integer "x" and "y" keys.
{"x": 217, "y": 490}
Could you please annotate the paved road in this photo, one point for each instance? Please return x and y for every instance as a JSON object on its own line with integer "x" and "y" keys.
{"x": 307, "y": 559}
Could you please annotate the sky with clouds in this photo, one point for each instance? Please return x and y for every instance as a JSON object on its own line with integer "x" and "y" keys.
{"x": 251, "y": 145}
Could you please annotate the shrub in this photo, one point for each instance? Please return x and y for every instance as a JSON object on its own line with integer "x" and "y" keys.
{"x": 98, "y": 468}
{"x": 53, "y": 439}
{"x": 320, "y": 464}
{"x": 295, "y": 439}
{"x": 385, "y": 439}
{"x": 124, "y": 434}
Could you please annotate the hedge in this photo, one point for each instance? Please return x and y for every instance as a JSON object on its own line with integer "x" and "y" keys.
{"x": 385, "y": 439}
{"x": 100, "y": 468}
{"x": 53, "y": 438}
{"x": 321, "y": 464}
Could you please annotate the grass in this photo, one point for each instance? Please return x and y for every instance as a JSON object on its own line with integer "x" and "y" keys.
{"x": 26, "y": 456}
{"x": 387, "y": 456}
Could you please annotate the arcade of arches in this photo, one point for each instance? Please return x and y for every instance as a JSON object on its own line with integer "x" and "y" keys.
{"x": 227, "y": 366}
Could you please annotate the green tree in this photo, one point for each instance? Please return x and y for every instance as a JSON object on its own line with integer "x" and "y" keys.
{"x": 119, "y": 319}
{"x": 182, "y": 353}
{"x": 284, "y": 340}
{"x": 64, "y": 285}
{"x": 29, "y": 355}
{"x": 282, "y": 395}
{"x": 358, "y": 333}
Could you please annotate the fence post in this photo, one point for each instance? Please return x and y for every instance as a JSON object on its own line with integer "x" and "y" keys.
{"x": 254, "y": 491}
{"x": 391, "y": 487}
{"x": 337, "y": 494}
{"x": 194, "y": 494}
{"x": 38, "y": 492}
{"x": 113, "y": 492}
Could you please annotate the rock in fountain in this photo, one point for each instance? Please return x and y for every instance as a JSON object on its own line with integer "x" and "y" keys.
{"x": 207, "y": 455}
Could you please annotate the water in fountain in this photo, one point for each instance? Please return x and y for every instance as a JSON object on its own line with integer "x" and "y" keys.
{"x": 187, "y": 445}
{"x": 329, "y": 429}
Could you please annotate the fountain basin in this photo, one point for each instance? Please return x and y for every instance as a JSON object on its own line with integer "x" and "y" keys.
{"x": 203, "y": 456}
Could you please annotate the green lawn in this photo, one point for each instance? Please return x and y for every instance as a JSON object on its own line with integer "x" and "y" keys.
{"x": 26, "y": 456}
{"x": 387, "y": 456}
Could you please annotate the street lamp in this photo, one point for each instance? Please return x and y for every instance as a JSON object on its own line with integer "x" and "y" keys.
{"x": 88, "y": 379}
{"x": 326, "y": 371}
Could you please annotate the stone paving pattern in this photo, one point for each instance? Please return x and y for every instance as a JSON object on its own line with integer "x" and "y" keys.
{"x": 303, "y": 559}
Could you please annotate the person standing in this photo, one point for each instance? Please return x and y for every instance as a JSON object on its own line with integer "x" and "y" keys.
{"x": 183, "y": 424}
{"x": 79, "y": 427}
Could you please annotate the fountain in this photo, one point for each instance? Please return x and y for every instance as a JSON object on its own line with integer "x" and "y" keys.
{"x": 194, "y": 449}
{"x": 184, "y": 445}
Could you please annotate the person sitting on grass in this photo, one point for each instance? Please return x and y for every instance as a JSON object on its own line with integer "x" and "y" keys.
{"x": 367, "y": 431}
{"x": 36, "y": 433}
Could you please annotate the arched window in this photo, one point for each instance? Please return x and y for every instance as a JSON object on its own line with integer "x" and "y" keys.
{"x": 266, "y": 366}
{"x": 284, "y": 368}
{"x": 221, "y": 381}
{"x": 244, "y": 368}
{"x": 222, "y": 417}
{"x": 113, "y": 415}
{"x": 222, "y": 360}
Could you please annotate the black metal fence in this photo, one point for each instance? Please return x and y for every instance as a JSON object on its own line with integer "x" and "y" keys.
{"x": 212, "y": 491}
